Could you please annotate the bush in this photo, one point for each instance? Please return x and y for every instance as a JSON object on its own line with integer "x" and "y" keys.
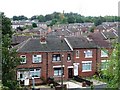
{"x": 11, "y": 85}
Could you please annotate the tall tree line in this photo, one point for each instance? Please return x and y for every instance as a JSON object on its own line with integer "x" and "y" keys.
{"x": 68, "y": 18}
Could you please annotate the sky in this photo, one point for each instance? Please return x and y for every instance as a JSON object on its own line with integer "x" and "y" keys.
{"x": 37, "y": 7}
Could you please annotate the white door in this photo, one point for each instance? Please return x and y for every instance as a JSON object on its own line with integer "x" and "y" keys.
{"x": 76, "y": 69}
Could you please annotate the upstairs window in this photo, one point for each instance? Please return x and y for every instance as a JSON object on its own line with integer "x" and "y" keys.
{"x": 23, "y": 57}
{"x": 37, "y": 58}
{"x": 68, "y": 57}
{"x": 88, "y": 54}
{"x": 104, "y": 53}
{"x": 56, "y": 57}
{"x": 77, "y": 53}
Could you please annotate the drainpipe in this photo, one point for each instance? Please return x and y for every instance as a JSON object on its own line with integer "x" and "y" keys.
{"x": 97, "y": 59}
{"x": 33, "y": 82}
{"x": 46, "y": 65}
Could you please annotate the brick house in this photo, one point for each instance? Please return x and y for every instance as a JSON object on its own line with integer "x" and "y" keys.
{"x": 84, "y": 56}
{"x": 43, "y": 58}
{"x": 55, "y": 57}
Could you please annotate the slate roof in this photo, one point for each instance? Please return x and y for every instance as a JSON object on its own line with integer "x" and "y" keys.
{"x": 110, "y": 35}
{"x": 80, "y": 42}
{"x": 97, "y": 35}
{"x": 19, "y": 39}
{"x": 99, "y": 40}
{"x": 34, "y": 45}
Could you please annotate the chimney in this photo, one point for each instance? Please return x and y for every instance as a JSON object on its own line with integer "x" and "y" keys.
{"x": 43, "y": 40}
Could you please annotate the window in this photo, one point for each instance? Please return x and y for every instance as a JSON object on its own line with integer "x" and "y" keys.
{"x": 58, "y": 71}
{"x": 35, "y": 73}
{"x": 86, "y": 66}
{"x": 104, "y": 64}
{"x": 104, "y": 53}
{"x": 22, "y": 75}
{"x": 56, "y": 57}
{"x": 68, "y": 57}
{"x": 23, "y": 57}
{"x": 77, "y": 53}
{"x": 88, "y": 54}
{"x": 37, "y": 58}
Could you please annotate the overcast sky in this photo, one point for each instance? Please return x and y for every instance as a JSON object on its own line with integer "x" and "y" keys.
{"x": 37, "y": 7}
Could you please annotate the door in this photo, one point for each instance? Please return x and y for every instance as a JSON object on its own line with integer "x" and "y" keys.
{"x": 76, "y": 69}
{"x": 70, "y": 72}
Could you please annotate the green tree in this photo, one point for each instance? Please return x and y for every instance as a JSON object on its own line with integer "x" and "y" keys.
{"x": 9, "y": 57}
{"x": 71, "y": 19}
{"x": 112, "y": 73}
{"x": 34, "y": 17}
{"x": 56, "y": 15}
{"x": 97, "y": 21}
{"x": 6, "y": 25}
{"x": 92, "y": 29}
{"x": 79, "y": 20}
{"x": 41, "y": 18}
{"x": 22, "y": 17}
{"x": 48, "y": 17}
{"x": 15, "y": 18}
{"x": 34, "y": 25}
{"x": 53, "y": 22}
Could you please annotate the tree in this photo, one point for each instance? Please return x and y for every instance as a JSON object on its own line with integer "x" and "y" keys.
{"x": 54, "y": 21}
{"x": 6, "y": 25}
{"x": 112, "y": 73}
{"x": 79, "y": 20}
{"x": 34, "y": 25}
{"x": 92, "y": 29}
{"x": 33, "y": 17}
{"x": 22, "y": 17}
{"x": 48, "y": 17}
{"x": 9, "y": 57}
{"x": 56, "y": 15}
{"x": 71, "y": 19}
{"x": 97, "y": 21}
{"x": 15, "y": 18}
{"x": 41, "y": 18}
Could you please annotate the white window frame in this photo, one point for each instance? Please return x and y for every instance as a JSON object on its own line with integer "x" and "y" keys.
{"x": 77, "y": 53}
{"x": 23, "y": 58}
{"x": 37, "y": 56}
{"x": 59, "y": 72}
{"x": 102, "y": 61}
{"x": 103, "y": 52}
{"x": 34, "y": 71}
{"x": 25, "y": 75}
{"x": 55, "y": 58}
{"x": 68, "y": 57}
{"x": 88, "y": 54}
{"x": 87, "y": 62}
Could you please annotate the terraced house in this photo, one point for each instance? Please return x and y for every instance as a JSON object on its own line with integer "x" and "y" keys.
{"x": 55, "y": 57}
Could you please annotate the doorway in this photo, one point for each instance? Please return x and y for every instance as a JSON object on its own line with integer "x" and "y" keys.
{"x": 70, "y": 72}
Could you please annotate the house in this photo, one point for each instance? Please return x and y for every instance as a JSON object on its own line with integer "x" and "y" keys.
{"x": 43, "y": 58}
{"x": 84, "y": 56}
{"x": 59, "y": 57}
{"x": 104, "y": 47}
